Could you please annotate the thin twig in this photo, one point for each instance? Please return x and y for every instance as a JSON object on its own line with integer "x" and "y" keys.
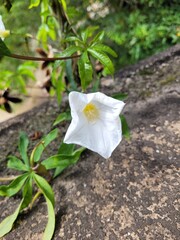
{"x": 21, "y": 57}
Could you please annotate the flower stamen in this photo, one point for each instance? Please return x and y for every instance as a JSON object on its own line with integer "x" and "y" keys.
{"x": 91, "y": 112}
{"x": 4, "y": 33}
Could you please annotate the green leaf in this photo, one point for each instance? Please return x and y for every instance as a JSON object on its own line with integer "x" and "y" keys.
{"x": 125, "y": 128}
{"x": 34, "y": 3}
{"x": 49, "y": 230}
{"x": 69, "y": 74}
{"x": 103, "y": 58}
{"x": 4, "y": 51}
{"x": 63, "y": 2}
{"x": 74, "y": 39}
{"x": 14, "y": 187}
{"x": 120, "y": 96}
{"x": 39, "y": 148}
{"x": 27, "y": 70}
{"x": 70, "y": 51}
{"x": 65, "y": 148}
{"x": 23, "y": 146}
{"x": 88, "y": 33}
{"x": 27, "y": 193}
{"x": 7, "y": 224}
{"x": 16, "y": 164}
{"x": 85, "y": 70}
{"x": 65, "y": 116}
{"x": 85, "y": 35}
{"x": 44, "y": 186}
{"x": 101, "y": 47}
{"x": 62, "y": 161}
{"x": 98, "y": 38}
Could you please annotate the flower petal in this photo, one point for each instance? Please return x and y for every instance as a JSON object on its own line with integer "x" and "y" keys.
{"x": 101, "y": 136}
{"x": 3, "y": 32}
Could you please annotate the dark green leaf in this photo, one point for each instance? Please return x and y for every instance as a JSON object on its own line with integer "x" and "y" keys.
{"x": 65, "y": 148}
{"x": 65, "y": 116}
{"x": 69, "y": 74}
{"x": 98, "y": 38}
{"x": 125, "y": 128}
{"x": 14, "y": 187}
{"x": 44, "y": 186}
{"x": 16, "y": 164}
{"x": 85, "y": 70}
{"x": 103, "y": 58}
{"x": 23, "y": 146}
{"x": 38, "y": 150}
{"x": 101, "y": 47}
{"x": 4, "y": 51}
{"x": 27, "y": 193}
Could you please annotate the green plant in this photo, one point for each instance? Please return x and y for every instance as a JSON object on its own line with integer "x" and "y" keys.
{"x": 71, "y": 67}
{"x": 35, "y": 177}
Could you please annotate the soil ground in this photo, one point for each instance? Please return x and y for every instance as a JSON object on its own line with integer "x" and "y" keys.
{"x": 134, "y": 195}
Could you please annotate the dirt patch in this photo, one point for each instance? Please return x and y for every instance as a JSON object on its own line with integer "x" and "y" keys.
{"x": 132, "y": 195}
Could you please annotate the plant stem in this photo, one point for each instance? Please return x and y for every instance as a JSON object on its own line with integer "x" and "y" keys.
{"x": 39, "y": 192}
{"x": 21, "y": 57}
{"x": 5, "y": 179}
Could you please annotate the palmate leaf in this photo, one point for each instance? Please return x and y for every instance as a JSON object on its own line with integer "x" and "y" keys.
{"x": 23, "y": 146}
{"x": 103, "y": 58}
{"x": 4, "y": 51}
{"x": 85, "y": 70}
{"x": 38, "y": 150}
{"x": 14, "y": 187}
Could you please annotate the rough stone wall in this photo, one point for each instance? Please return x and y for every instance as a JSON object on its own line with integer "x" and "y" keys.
{"x": 134, "y": 195}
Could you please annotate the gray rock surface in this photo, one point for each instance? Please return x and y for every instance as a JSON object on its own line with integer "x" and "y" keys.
{"x": 134, "y": 195}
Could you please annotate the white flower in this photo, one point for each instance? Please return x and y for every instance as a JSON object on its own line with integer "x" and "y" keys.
{"x": 95, "y": 122}
{"x": 3, "y": 32}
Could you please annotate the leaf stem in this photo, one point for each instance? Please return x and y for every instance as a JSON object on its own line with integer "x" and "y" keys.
{"x": 39, "y": 192}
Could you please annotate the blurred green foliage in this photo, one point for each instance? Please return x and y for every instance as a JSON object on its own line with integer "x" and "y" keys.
{"x": 134, "y": 29}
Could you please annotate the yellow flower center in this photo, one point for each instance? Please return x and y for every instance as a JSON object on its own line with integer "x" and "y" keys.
{"x": 4, "y": 33}
{"x": 91, "y": 112}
